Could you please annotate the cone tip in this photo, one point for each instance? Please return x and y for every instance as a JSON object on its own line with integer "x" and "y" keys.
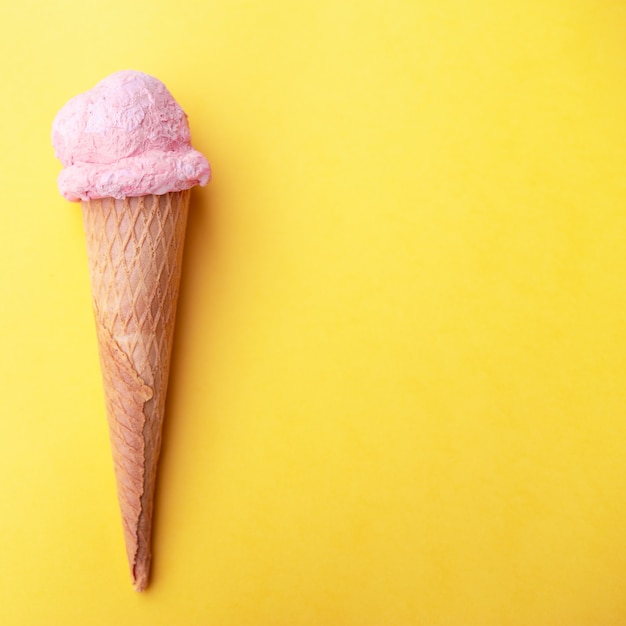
{"x": 140, "y": 576}
{"x": 140, "y": 584}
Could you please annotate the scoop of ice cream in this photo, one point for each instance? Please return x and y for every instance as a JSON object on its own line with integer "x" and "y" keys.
{"x": 125, "y": 137}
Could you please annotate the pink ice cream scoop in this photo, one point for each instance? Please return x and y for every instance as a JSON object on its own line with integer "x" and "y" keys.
{"x": 126, "y": 137}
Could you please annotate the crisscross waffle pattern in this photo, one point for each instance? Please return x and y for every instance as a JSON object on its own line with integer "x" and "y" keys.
{"x": 134, "y": 248}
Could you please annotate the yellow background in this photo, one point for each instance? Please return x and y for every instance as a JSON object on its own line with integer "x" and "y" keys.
{"x": 398, "y": 392}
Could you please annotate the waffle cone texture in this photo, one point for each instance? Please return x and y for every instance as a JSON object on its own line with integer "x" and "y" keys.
{"x": 134, "y": 249}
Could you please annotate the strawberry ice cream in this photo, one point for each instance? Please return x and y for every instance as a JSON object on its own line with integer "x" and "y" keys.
{"x": 126, "y": 137}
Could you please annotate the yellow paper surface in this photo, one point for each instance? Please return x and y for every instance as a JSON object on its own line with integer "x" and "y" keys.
{"x": 398, "y": 387}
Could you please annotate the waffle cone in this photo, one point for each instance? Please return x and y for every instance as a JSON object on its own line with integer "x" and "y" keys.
{"x": 134, "y": 248}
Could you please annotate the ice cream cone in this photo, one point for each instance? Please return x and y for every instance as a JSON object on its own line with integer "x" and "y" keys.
{"x": 134, "y": 248}
{"x": 126, "y": 151}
